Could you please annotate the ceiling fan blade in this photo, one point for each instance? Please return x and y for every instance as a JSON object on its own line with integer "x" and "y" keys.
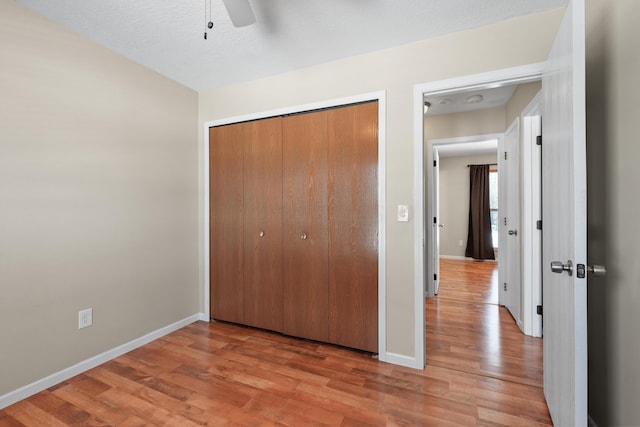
{"x": 240, "y": 12}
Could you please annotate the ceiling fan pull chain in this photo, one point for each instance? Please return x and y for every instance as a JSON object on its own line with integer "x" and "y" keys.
{"x": 208, "y": 24}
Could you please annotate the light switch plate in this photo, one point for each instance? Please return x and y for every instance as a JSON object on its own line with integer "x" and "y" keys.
{"x": 403, "y": 213}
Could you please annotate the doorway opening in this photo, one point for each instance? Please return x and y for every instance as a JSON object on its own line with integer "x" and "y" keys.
{"x": 479, "y": 294}
{"x": 498, "y": 119}
{"x": 448, "y": 192}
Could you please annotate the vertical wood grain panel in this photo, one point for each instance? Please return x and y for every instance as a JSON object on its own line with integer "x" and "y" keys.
{"x": 353, "y": 226}
{"x": 263, "y": 215}
{"x": 226, "y": 230}
{"x": 305, "y": 211}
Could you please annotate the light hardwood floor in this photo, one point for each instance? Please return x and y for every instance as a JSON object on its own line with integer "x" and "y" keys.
{"x": 480, "y": 372}
{"x": 468, "y": 331}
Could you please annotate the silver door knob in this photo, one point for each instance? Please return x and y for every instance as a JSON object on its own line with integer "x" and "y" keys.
{"x": 559, "y": 267}
{"x": 597, "y": 270}
{"x": 513, "y": 232}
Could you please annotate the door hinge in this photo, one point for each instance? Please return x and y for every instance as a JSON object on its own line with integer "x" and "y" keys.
{"x": 505, "y": 220}
{"x": 435, "y": 163}
{"x": 505, "y": 286}
{"x": 539, "y": 310}
{"x": 539, "y": 140}
{"x": 435, "y": 277}
{"x": 539, "y": 224}
{"x": 505, "y": 155}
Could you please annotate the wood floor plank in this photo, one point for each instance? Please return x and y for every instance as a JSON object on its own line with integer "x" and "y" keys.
{"x": 214, "y": 388}
{"x": 285, "y": 370}
{"x": 133, "y": 405}
{"x": 29, "y": 414}
{"x": 294, "y": 412}
{"x": 120, "y": 383}
{"x": 91, "y": 404}
{"x": 229, "y": 414}
{"x": 8, "y": 421}
{"x": 66, "y": 412}
{"x": 358, "y": 408}
{"x": 480, "y": 371}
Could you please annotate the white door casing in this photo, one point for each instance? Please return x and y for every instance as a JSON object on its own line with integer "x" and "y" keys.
{"x": 502, "y": 213}
{"x": 433, "y": 191}
{"x": 510, "y": 221}
{"x": 436, "y": 224}
{"x": 564, "y": 222}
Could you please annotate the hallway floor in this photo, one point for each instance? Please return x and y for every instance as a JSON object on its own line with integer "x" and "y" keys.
{"x": 468, "y": 331}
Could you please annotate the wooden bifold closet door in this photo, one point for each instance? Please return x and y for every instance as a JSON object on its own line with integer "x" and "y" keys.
{"x": 246, "y": 223}
{"x": 294, "y": 224}
{"x": 353, "y": 226}
{"x": 226, "y": 240}
{"x": 263, "y": 224}
{"x": 306, "y": 271}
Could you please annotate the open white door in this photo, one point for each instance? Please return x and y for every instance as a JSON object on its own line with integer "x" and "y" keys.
{"x": 510, "y": 225}
{"x": 436, "y": 220}
{"x": 531, "y": 213}
{"x": 564, "y": 223}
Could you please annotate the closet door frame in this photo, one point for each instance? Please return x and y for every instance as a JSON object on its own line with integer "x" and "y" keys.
{"x": 339, "y": 102}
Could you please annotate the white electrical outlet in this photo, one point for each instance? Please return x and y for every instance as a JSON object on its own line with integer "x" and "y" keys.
{"x": 460, "y": 243}
{"x": 85, "y": 318}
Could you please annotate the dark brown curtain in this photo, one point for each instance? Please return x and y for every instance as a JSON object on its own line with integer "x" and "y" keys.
{"x": 479, "y": 240}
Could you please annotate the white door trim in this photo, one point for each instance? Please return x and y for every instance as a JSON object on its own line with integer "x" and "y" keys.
{"x": 432, "y": 204}
{"x": 379, "y": 96}
{"x": 513, "y": 75}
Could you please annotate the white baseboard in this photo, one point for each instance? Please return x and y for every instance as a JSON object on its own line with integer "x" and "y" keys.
{"x": 402, "y": 360}
{"x": 80, "y": 367}
{"x": 464, "y": 258}
{"x": 454, "y": 257}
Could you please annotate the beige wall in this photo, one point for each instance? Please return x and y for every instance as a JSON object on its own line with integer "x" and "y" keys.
{"x": 512, "y": 43}
{"x": 454, "y": 201}
{"x": 613, "y": 209}
{"x": 520, "y": 99}
{"x": 98, "y": 198}
{"x": 477, "y": 122}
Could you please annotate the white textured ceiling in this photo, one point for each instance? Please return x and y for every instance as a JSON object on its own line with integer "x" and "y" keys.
{"x": 475, "y": 148}
{"x": 167, "y": 35}
{"x": 478, "y": 99}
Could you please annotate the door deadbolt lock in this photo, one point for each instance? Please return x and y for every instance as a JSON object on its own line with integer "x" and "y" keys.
{"x": 597, "y": 270}
{"x": 559, "y": 267}
{"x": 594, "y": 270}
{"x": 513, "y": 232}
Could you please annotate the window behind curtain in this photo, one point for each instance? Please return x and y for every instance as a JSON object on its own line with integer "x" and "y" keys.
{"x": 493, "y": 203}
